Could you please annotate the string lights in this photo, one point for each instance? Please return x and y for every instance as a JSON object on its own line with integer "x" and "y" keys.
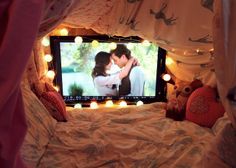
{"x": 123, "y": 103}
{"x": 139, "y": 103}
{"x": 45, "y": 42}
{"x": 78, "y": 40}
{"x": 109, "y": 103}
{"x": 93, "y": 105}
{"x": 64, "y": 32}
{"x": 48, "y": 58}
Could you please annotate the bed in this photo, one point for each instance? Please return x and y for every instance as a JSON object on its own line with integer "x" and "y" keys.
{"x": 112, "y": 137}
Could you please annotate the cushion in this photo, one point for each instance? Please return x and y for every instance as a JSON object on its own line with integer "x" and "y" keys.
{"x": 55, "y": 104}
{"x": 51, "y": 99}
{"x": 203, "y": 108}
{"x": 176, "y": 105}
{"x": 38, "y": 88}
{"x": 41, "y": 128}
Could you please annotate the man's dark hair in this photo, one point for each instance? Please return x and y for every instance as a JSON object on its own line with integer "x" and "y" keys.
{"x": 120, "y": 50}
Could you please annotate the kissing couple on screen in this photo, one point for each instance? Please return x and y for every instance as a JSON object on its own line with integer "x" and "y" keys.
{"x": 128, "y": 81}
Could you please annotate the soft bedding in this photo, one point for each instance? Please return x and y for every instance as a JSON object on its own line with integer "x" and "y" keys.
{"x": 138, "y": 137}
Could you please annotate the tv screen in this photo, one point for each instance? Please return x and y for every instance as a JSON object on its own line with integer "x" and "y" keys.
{"x": 74, "y": 61}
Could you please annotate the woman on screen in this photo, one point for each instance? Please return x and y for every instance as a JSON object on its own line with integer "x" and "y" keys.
{"x": 106, "y": 83}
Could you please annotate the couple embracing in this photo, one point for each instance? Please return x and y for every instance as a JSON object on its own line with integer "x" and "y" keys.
{"x": 129, "y": 81}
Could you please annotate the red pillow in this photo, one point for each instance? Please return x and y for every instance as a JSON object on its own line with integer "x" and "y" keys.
{"x": 203, "y": 107}
{"x": 55, "y": 104}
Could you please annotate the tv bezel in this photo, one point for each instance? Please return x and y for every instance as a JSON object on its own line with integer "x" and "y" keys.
{"x": 160, "y": 94}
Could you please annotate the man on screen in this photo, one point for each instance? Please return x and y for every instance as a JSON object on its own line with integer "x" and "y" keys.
{"x": 133, "y": 84}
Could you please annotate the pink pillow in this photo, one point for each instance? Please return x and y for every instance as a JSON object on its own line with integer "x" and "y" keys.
{"x": 203, "y": 107}
{"x": 55, "y": 104}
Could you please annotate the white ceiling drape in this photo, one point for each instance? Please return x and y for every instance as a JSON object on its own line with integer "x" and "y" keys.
{"x": 183, "y": 28}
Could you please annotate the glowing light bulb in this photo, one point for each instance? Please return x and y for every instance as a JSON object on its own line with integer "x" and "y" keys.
{"x": 123, "y": 103}
{"x": 50, "y": 74}
{"x": 78, "y": 105}
{"x": 93, "y": 105}
{"x": 146, "y": 43}
{"x": 109, "y": 103}
{"x": 139, "y": 103}
{"x": 112, "y": 45}
{"x": 45, "y": 42}
{"x": 169, "y": 61}
{"x": 48, "y": 58}
{"x": 95, "y": 43}
{"x": 166, "y": 77}
{"x": 78, "y": 40}
{"x": 64, "y": 32}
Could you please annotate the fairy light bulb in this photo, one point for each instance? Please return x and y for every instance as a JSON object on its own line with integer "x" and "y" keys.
{"x": 112, "y": 45}
{"x": 95, "y": 43}
{"x": 139, "y": 103}
{"x": 145, "y": 43}
{"x": 78, "y": 40}
{"x": 93, "y": 105}
{"x": 109, "y": 103}
{"x": 48, "y": 58}
{"x": 64, "y": 32}
{"x": 123, "y": 103}
{"x": 169, "y": 61}
{"x": 50, "y": 74}
{"x": 78, "y": 105}
{"x": 45, "y": 42}
{"x": 166, "y": 77}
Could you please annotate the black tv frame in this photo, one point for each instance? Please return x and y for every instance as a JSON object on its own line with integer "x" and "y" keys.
{"x": 160, "y": 95}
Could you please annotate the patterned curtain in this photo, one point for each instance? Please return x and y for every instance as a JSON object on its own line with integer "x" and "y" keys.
{"x": 18, "y": 29}
{"x": 224, "y": 35}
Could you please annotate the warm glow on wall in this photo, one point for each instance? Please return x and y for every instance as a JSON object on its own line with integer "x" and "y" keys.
{"x": 169, "y": 61}
{"x": 64, "y": 32}
{"x": 45, "y": 42}
{"x": 56, "y": 88}
{"x": 146, "y": 43}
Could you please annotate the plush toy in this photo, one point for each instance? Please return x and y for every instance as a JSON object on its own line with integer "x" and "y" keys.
{"x": 203, "y": 107}
{"x": 176, "y": 105}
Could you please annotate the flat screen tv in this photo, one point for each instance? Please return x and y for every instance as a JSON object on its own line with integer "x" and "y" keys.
{"x": 73, "y": 64}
